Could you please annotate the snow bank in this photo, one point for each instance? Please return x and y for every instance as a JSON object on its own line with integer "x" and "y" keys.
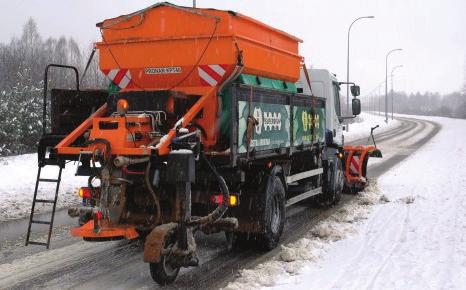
{"x": 18, "y": 181}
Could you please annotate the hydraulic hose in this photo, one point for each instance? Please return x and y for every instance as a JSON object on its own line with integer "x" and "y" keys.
{"x": 221, "y": 208}
{"x": 152, "y": 192}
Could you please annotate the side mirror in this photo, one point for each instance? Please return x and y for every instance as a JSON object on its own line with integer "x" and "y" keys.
{"x": 356, "y": 105}
{"x": 355, "y": 90}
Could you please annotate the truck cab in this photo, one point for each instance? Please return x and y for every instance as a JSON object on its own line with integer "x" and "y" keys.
{"x": 325, "y": 85}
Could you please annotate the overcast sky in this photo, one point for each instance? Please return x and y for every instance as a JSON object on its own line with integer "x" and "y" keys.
{"x": 432, "y": 33}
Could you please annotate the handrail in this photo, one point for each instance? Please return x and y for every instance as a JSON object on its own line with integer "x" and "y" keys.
{"x": 44, "y": 112}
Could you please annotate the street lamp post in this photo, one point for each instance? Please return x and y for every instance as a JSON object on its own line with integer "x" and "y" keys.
{"x": 391, "y": 77}
{"x": 380, "y": 97}
{"x": 386, "y": 81}
{"x": 347, "y": 61}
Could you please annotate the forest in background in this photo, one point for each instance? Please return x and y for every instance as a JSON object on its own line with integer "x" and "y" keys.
{"x": 451, "y": 105}
{"x": 22, "y": 66}
{"x": 23, "y": 61}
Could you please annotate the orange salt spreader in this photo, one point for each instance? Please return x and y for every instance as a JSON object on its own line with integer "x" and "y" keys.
{"x": 193, "y": 52}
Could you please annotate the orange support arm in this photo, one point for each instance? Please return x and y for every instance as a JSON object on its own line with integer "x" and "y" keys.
{"x": 163, "y": 146}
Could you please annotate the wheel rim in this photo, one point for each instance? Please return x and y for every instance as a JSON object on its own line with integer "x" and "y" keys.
{"x": 168, "y": 267}
{"x": 339, "y": 179}
{"x": 276, "y": 215}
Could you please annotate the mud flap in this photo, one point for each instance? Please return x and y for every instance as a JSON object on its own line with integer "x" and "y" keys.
{"x": 155, "y": 242}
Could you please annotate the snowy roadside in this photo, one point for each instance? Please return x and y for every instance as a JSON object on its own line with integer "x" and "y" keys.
{"x": 406, "y": 232}
{"x": 18, "y": 181}
{"x": 361, "y": 128}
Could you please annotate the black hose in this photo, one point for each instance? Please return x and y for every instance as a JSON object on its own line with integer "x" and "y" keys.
{"x": 221, "y": 208}
{"x": 152, "y": 192}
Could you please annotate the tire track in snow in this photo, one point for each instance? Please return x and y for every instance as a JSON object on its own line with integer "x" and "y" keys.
{"x": 361, "y": 250}
{"x": 405, "y": 126}
{"x": 402, "y": 236}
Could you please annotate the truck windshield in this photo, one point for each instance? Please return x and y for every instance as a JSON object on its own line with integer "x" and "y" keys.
{"x": 336, "y": 90}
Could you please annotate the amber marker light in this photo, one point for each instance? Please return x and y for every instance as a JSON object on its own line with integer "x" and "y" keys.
{"x": 233, "y": 200}
{"x": 122, "y": 106}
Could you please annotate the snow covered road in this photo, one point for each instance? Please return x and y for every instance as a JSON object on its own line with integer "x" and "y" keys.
{"x": 73, "y": 263}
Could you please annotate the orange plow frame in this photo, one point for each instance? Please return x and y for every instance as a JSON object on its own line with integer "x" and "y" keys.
{"x": 361, "y": 152}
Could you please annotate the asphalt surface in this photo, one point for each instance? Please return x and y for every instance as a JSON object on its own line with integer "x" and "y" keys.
{"x": 72, "y": 263}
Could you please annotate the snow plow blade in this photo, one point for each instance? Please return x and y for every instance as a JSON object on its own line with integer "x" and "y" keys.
{"x": 356, "y": 158}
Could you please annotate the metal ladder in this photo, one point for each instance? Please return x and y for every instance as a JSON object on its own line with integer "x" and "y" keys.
{"x": 49, "y": 201}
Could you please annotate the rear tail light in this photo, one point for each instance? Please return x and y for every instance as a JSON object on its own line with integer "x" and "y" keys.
{"x": 85, "y": 192}
{"x": 218, "y": 199}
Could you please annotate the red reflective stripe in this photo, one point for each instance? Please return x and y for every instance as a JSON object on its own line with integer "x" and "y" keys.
{"x": 355, "y": 164}
{"x": 211, "y": 73}
{"x": 204, "y": 83}
{"x": 119, "y": 76}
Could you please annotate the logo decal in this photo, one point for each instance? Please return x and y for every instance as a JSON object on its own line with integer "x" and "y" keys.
{"x": 162, "y": 70}
{"x": 271, "y": 121}
{"x": 258, "y": 116}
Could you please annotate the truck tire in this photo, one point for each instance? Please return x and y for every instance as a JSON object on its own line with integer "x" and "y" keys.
{"x": 333, "y": 182}
{"x": 273, "y": 214}
{"x": 163, "y": 272}
{"x": 339, "y": 181}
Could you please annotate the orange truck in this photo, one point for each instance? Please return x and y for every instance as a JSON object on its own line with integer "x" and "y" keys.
{"x": 209, "y": 124}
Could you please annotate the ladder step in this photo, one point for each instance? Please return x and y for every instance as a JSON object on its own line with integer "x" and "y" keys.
{"x": 48, "y": 180}
{"x": 40, "y": 222}
{"x": 37, "y": 243}
{"x": 45, "y": 200}
{"x": 51, "y": 162}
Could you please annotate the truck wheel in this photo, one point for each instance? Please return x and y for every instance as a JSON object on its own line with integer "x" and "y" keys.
{"x": 339, "y": 181}
{"x": 333, "y": 182}
{"x": 165, "y": 271}
{"x": 273, "y": 217}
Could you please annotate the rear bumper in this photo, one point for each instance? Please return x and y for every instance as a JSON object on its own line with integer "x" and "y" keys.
{"x": 106, "y": 231}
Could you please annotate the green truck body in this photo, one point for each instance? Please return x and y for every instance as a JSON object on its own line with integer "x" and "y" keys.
{"x": 284, "y": 118}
